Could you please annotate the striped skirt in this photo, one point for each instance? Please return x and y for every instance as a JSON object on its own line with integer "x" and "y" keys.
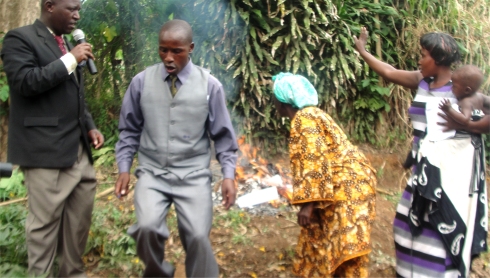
{"x": 426, "y": 255}
{"x": 421, "y": 256}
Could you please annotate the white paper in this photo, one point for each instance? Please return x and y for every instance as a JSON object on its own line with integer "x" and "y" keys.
{"x": 275, "y": 180}
{"x": 258, "y": 197}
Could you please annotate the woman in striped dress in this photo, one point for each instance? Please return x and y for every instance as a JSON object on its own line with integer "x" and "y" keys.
{"x": 441, "y": 219}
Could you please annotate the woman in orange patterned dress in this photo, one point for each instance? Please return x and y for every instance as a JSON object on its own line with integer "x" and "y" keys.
{"x": 332, "y": 182}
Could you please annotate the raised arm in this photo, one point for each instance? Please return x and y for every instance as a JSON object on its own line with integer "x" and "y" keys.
{"x": 409, "y": 79}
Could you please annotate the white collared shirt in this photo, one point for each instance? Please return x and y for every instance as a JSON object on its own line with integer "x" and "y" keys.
{"x": 68, "y": 59}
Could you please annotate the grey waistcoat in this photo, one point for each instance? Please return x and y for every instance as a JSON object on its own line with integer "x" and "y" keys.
{"x": 174, "y": 137}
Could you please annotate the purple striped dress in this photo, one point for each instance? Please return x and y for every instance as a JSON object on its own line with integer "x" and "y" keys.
{"x": 425, "y": 254}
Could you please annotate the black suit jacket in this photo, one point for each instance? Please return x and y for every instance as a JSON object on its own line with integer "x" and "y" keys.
{"x": 48, "y": 117}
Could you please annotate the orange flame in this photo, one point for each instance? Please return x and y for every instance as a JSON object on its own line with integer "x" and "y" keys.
{"x": 274, "y": 203}
{"x": 252, "y": 166}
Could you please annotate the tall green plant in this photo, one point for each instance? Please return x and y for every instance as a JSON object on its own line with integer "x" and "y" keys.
{"x": 13, "y": 250}
{"x": 12, "y": 187}
{"x": 249, "y": 41}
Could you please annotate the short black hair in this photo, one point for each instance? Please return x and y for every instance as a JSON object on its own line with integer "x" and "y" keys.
{"x": 44, "y": 2}
{"x": 442, "y": 48}
{"x": 180, "y": 26}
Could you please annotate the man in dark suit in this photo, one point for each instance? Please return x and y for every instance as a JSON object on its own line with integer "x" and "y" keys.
{"x": 50, "y": 132}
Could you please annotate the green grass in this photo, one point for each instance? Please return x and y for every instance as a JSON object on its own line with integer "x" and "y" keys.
{"x": 394, "y": 199}
{"x": 13, "y": 259}
{"x": 232, "y": 219}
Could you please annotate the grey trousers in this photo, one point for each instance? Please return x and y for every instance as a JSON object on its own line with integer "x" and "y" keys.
{"x": 60, "y": 212}
{"x": 193, "y": 204}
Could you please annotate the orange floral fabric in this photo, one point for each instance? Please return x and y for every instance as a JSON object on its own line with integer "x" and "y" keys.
{"x": 328, "y": 170}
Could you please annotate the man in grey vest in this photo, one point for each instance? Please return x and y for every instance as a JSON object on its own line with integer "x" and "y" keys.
{"x": 169, "y": 113}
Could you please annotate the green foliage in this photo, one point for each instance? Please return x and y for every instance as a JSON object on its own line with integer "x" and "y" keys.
{"x": 237, "y": 221}
{"x": 4, "y": 89}
{"x": 233, "y": 219}
{"x": 4, "y": 92}
{"x": 13, "y": 187}
{"x": 467, "y": 21}
{"x": 109, "y": 240}
{"x": 249, "y": 41}
{"x": 240, "y": 239}
{"x": 394, "y": 199}
{"x": 13, "y": 250}
{"x": 105, "y": 112}
{"x": 370, "y": 105}
{"x": 124, "y": 35}
{"x": 244, "y": 43}
{"x": 105, "y": 156}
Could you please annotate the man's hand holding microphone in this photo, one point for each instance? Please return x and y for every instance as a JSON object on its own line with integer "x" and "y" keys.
{"x": 83, "y": 51}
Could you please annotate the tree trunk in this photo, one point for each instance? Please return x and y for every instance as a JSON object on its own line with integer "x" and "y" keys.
{"x": 17, "y": 13}
{"x": 131, "y": 33}
{"x": 13, "y": 14}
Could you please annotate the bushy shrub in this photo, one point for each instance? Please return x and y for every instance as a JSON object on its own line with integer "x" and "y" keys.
{"x": 13, "y": 251}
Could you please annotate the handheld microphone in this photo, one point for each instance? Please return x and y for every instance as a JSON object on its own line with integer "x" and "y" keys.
{"x": 79, "y": 37}
{"x": 5, "y": 170}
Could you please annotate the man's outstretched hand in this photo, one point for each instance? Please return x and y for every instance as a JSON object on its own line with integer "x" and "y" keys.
{"x": 228, "y": 192}
{"x": 96, "y": 138}
{"x": 121, "y": 188}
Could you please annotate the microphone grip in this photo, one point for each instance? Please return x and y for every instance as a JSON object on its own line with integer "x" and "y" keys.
{"x": 90, "y": 63}
{"x": 91, "y": 66}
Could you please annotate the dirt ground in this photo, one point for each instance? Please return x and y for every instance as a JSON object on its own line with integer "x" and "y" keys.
{"x": 248, "y": 245}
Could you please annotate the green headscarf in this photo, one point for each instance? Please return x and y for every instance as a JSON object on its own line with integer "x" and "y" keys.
{"x": 295, "y": 90}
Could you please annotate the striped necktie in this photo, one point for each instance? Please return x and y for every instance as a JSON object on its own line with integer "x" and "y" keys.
{"x": 173, "y": 86}
{"x": 61, "y": 44}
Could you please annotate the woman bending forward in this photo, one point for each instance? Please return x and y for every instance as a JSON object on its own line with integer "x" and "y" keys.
{"x": 333, "y": 183}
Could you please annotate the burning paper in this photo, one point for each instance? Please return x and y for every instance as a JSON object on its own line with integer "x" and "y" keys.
{"x": 254, "y": 173}
{"x": 275, "y": 180}
{"x": 258, "y": 197}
